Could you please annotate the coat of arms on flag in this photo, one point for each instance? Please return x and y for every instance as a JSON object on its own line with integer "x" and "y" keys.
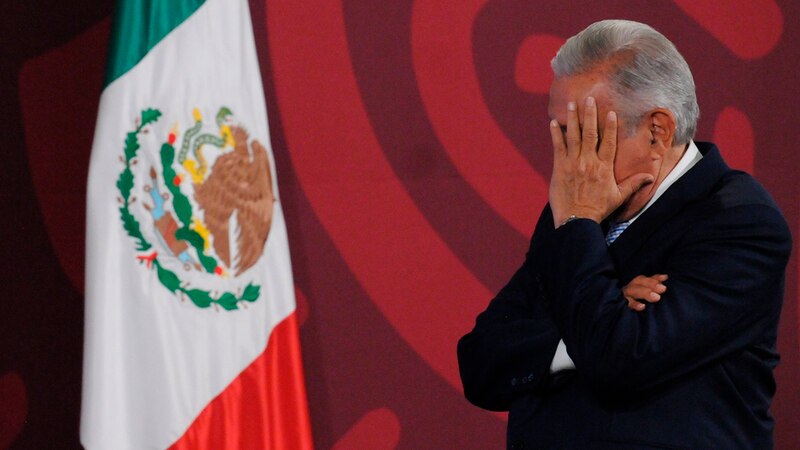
{"x": 204, "y": 210}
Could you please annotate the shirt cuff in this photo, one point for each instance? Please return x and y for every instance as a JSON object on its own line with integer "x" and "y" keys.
{"x": 561, "y": 360}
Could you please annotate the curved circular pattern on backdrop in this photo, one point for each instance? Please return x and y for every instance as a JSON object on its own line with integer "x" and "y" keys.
{"x": 400, "y": 259}
{"x": 484, "y": 156}
{"x": 748, "y": 28}
{"x": 532, "y": 72}
{"x": 414, "y": 279}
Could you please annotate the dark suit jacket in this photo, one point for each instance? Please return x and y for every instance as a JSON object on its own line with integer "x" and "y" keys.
{"x": 692, "y": 371}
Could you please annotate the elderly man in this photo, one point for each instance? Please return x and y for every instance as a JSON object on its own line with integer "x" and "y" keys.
{"x": 645, "y": 314}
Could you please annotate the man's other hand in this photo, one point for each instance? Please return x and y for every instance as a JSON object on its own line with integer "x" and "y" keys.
{"x": 643, "y": 290}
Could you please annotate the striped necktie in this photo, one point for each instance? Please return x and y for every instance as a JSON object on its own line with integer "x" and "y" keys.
{"x": 615, "y": 230}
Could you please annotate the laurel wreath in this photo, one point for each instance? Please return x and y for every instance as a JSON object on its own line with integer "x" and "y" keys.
{"x": 183, "y": 210}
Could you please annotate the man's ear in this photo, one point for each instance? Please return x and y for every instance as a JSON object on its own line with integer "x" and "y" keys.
{"x": 662, "y": 126}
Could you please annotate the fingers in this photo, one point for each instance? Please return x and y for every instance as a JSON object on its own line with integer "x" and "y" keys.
{"x": 573, "y": 131}
{"x": 639, "y": 296}
{"x": 643, "y": 289}
{"x": 581, "y": 137}
{"x": 559, "y": 149}
{"x": 636, "y": 305}
{"x": 589, "y": 135}
{"x": 608, "y": 148}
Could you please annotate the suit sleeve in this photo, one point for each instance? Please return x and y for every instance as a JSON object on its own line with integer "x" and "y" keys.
{"x": 723, "y": 294}
{"x": 509, "y": 351}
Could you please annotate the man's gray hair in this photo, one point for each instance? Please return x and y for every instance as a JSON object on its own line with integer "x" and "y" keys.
{"x": 644, "y": 69}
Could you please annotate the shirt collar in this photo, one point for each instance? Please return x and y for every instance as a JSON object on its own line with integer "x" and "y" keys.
{"x": 690, "y": 157}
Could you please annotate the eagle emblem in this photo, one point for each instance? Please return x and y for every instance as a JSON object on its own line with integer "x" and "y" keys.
{"x": 206, "y": 207}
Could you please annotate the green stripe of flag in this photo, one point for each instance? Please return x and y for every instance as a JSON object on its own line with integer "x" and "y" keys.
{"x": 138, "y": 26}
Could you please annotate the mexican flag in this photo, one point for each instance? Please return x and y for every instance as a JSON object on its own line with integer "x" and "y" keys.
{"x": 191, "y": 337}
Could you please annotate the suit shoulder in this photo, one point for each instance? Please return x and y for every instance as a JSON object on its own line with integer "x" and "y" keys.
{"x": 740, "y": 198}
{"x": 737, "y": 188}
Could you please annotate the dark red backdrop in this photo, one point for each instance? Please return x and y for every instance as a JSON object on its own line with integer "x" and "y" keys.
{"x": 412, "y": 151}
